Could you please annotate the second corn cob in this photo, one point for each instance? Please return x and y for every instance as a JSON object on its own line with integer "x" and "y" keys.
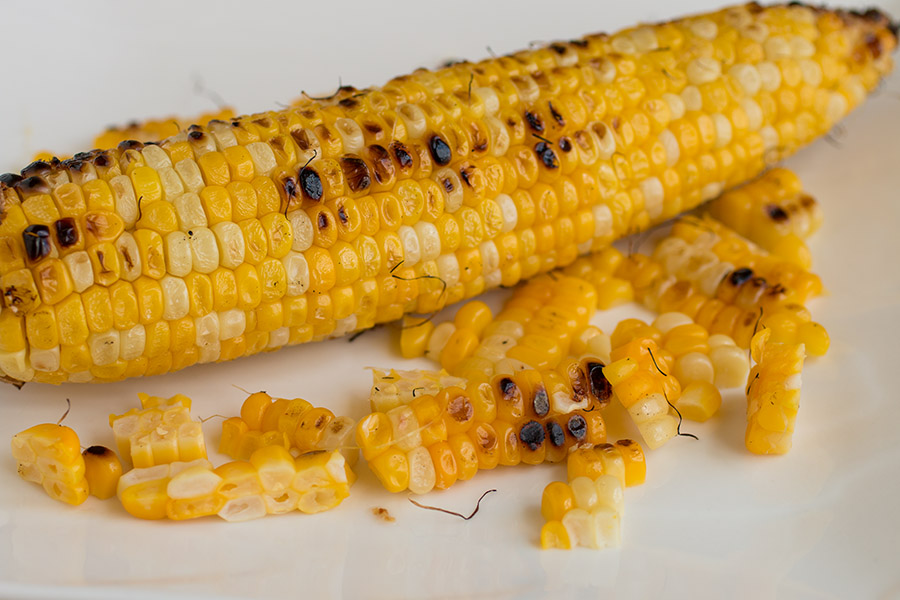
{"x": 333, "y": 215}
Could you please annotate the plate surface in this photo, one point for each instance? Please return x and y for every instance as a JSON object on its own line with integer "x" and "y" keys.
{"x": 712, "y": 521}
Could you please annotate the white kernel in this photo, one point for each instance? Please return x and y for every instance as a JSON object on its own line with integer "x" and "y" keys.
{"x": 46, "y": 360}
{"x": 205, "y": 250}
{"x": 705, "y": 29}
{"x": 670, "y": 144}
{"x": 263, "y": 158}
{"x": 104, "y": 347}
{"x": 603, "y": 221}
{"x": 429, "y": 240}
{"x": 351, "y": 135}
{"x": 126, "y": 201}
{"x": 410, "y": 241}
{"x": 508, "y": 211}
{"x": 190, "y": 211}
{"x": 670, "y": 320}
{"x": 189, "y": 171}
{"x": 770, "y": 75}
{"x": 230, "y": 241}
{"x": 296, "y": 271}
{"x": 747, "y": 77}
{"x": 131, "y": 342}
{"x": 644, "y": 39}
{"x": 232, "y": 323}
{"x": 692, "y": 98}
{"x": 654, "y": 194}
{"x": 703, "y": 70}
{"x": 176, "y": 300}
{"x": 754, "y": 113}
{"x": 676, "y": 105}
{"x": 756, "y": 31}
{"x": 623, "y": 45}
{"x": 801, "y": 47}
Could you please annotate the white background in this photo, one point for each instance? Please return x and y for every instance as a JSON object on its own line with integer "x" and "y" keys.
{"x": 712, "y": 521}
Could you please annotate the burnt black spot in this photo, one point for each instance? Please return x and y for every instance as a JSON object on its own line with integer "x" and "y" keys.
{"x": 302, "y": 138}
{"x": 541, "y": 401}
{"x": 37, "y": 241}
{"x": 10, "y": 179}
{"x": 440, "y": 150}
{"x": 83, "y": 155}
{"x": 373, "y": 128}
{"x": 556, "y": 116}
{"x": 101, "y": 160}
{"x": 776, "y": 213}
{"x": 448, "y": 185}
{"x": 508, "y": 388}
{"x": 579, "y": 43}
{"x": 532, "y": 435}
{"x": 600, "y": 386}
{"x": 33, "y": 185}
{"x": 555, "y": 434}
{"x": 565, "y": 144}
{"x": 547, "y": 155}
{"x": 558, "y": 48}
{"x": 98, "y": 451}
{"x": 404, "y": 159}
{"x": 66, "y": 232}
{"x": 739, "y": 276}
{"x": 534, "y": 121}
{"x": 342, "y": 214}
{"x": 382, "y": 166}
{"x": 74, "y": 165}
{"x": 356, "y": 173}
{"x": 196, "y": 135}
{"x": 349, "y": 102}
{"x": 310, "y": 183}
{"x": 322, "y": 221}
{"x": 577, "y": 426}
{"x": 136, "y": 145}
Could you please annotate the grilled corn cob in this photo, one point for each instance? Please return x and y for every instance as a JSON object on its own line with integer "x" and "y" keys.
{"x": 328, "y": 217}
{"x": 773, "y": 212}
{"x": 154, "y": 130}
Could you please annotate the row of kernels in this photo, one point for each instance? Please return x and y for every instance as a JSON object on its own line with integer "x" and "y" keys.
{"x": 158, "y": 434}
{"x": 397, "y": 388}
{"x": 271, "y": 482}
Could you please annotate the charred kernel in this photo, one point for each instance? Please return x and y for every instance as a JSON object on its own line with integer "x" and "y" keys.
{"x": 322, "y": 221}
{"x": 73, "y": 165}
{"x": 37, "y": 241}
{"x": 547, "y": 155}
{"x": 558, "y": 48}
{"x": 465, "y": 173}
{"x": 508, "y": 388}
{"x": 448, "y": 184}
{"x": 556, "y": 116}
{"x": 739, "y": 276}
{"x": 555, "y": 434}
{"x": 776, "y": 213}
{"x": 10, "y": 179}
{"x": 382, "y": 166}
{"x": 136, "y": 145}
{"x": 460, "y": 409}
{"x": 356, "y": 173}
{"x": 101, "y": 160}
{"x": 290, "y": 187}
{"x": 440, "y": 150}
{"x": 402, "y": 155}
{"x": 38, "y": 167}
{"x": 600, "y": 387}
{"x": 33, "y": 184}
{"x": 83, "y": 155}
{"x": 66, "y": 232}
{"x": 373, "y": 128}
{"x": 532, "y": 435}
{"x": 349, "y": 102}
{"x": 342, "y": 214}
{"x": 577, "y": 427}
{"x": 565, "y": 144}
{"x": 534, "y": 121}
{"x": 310, "y": 183}
{"x": 541, "y": 401}
{"x": 196, "y": 135}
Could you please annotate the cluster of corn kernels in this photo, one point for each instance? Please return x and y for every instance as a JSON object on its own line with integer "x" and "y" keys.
{"x": 282, "y": 227}
{"x": 394, "y": 388}
{"x": 529, "y": 417}
{"x": 773, "y": 212}
{"x": 290, "y": 424}
{"x": 160, "y": 432}
{"x": 271, "y": 482}
{"x": 599, "y": 270}
{"x": 50, "y": 455}
{"x": 587, "y": 511}
{"x": 773, "y": 394}
{"x": 534, "y": 330}
{"x": 724, "y": 298}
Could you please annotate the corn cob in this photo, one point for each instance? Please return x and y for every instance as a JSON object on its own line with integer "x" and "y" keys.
{"x": 283, "y": 227}
{"x": 290, "y": 424}
{"x": 726, "y": 299}
{"x": 271, "y": 482}
{"x": 587, "y": 511}
{"x": 50, "y": 455}
{"x": 102, "y": 471}
{"x": 773, "y": 212}
{"x": 529, "y": 417}
{"x": 160, "y": 432}
{"x": 773, "y": 394}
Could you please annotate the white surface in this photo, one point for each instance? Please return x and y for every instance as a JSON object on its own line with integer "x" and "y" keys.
{"x": 711, "y": 522}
